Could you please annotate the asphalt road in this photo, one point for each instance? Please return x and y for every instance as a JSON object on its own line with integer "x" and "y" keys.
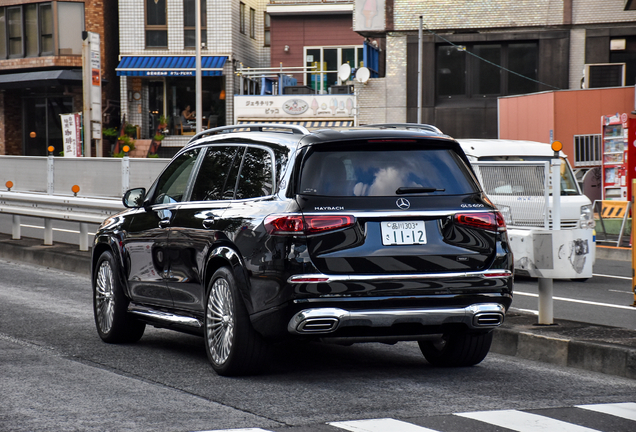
{"x": 606, "y": 298}
{"x": 56, "y": 375}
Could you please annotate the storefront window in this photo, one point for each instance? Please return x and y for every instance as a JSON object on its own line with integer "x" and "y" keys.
{"x": 180, "y": 93}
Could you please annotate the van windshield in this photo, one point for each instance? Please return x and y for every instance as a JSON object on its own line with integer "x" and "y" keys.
{"x": 568, "y": 182}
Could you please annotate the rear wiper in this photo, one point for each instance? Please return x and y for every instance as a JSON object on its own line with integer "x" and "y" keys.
{"x": 414, "y": 190}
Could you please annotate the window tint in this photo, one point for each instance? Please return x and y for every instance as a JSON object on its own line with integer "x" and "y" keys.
{"x": 215, "y": 180}
{"x": 382, "y": 172}
{"x": 256, "y": 174}
{"x": 172, "y": 184}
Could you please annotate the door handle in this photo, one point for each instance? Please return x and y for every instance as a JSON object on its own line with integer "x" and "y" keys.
{"x": 164, "y": 223}
{"x": 209, "y": 222}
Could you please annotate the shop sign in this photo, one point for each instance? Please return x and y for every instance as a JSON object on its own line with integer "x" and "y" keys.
{"x": 288, "y": 106}
{"x": 72, "y": 134}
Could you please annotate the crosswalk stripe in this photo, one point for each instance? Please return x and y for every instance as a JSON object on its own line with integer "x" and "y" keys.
{"x": 626, "y": 410}
{"x": 524, "y": 422}
{"x": 237, "y": 430}
{"x": 379, "y": 425}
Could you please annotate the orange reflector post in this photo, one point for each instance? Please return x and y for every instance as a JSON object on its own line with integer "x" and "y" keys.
{"x": 9, "y": 184}
{"x": 126, "y": 149}
{"x": 75, "y": 189}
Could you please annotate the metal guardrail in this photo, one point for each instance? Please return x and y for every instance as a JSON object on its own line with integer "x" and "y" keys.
{"x": 58, "y": 207}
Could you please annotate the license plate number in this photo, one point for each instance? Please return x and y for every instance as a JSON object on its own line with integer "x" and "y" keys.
{"x": 403, "y": 233}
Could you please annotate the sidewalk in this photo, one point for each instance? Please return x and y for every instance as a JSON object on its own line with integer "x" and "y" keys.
{"x": 609, "y": 350}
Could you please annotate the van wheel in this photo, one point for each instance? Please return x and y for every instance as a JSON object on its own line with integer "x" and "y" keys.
{"x": 457, "y": 349}
{"x": 231, "y": 343}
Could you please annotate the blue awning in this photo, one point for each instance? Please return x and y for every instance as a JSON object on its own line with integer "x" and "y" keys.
{"x": 173, "y": 66}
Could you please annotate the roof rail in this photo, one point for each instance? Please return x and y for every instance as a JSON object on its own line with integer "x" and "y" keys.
{"x": 419, "y": 126}
{"x": 250, "y": 127}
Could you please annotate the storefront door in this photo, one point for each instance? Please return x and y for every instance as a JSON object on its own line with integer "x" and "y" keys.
{"x": 42, "y": 124}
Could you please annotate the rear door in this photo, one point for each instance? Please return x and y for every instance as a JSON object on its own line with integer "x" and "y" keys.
{"x": 417, "y": 207}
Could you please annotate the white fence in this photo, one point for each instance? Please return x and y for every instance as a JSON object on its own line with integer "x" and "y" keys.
{"x": 96, "y": 177}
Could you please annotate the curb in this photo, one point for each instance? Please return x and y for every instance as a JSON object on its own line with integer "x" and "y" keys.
{"x": 551, "y": 344}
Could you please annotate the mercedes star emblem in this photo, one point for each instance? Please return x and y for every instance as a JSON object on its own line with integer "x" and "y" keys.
{"x": 403, "y": 203}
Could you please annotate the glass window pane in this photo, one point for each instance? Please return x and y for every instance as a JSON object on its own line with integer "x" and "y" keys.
{"x": 31, "y": 29}
{"x": 360, "y": 57}
{"x": 348, "y": 56}
{"x": 331, "y": 59}
{"x": 14, "y": 16}
{"x": 252, "y": 23}
{"x": 487, "y": 76}
{"x": 156, "y": 38}
{"x": 255, "y": 179}
{"x": 46, "y": 29}
{"x": 451, "y": 71}
{"x": 70, "y": 26}
{"x": 3, "y": 34}
{"x": 212, "y": 180}
{"x": 523, "y": 58}
{"x": 156, "y": 12}
{"x": 312, "y": 58}
{"x": 172, "y": 184}
{"x": 379, "y": 172}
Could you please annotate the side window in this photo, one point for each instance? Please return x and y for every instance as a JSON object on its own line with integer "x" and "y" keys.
{"x": 255, "y": 179}
{"x": 217, "y": 175}
{"x": 172, "y": 184}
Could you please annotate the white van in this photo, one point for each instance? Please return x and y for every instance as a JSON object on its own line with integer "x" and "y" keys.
{"x": 512, "y": 175}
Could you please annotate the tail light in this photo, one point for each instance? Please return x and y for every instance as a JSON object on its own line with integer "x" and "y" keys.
{"x": 492, "y": 221}
{"x": 308, "y": 224}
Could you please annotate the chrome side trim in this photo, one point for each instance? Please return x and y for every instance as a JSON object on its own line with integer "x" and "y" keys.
{"x": 155, "y": 315}
{"x": 476, "y": 316}
{"x": 323, "y": 278}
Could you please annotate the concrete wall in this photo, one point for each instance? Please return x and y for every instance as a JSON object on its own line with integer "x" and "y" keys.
{"x": 567, "y": 113}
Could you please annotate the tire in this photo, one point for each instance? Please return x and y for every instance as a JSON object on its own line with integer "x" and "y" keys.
{"x": 110, "y": 305}
{"x": 233, "y": 347}
{"x": 457, "y": 349}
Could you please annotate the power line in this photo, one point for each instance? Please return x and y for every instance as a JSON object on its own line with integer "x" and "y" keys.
{"x": 460, "y": 48}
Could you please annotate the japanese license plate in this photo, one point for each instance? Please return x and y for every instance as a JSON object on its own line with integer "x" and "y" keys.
{"x": 403, "y": 233}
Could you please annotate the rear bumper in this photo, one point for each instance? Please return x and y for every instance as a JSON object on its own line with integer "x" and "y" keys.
{"x": 322, "y": 321}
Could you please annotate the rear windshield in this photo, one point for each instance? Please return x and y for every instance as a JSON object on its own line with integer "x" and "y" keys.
{"x": 385, "y": 172}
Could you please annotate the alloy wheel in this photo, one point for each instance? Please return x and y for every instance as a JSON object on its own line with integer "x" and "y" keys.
{"x": 220, "y": 321}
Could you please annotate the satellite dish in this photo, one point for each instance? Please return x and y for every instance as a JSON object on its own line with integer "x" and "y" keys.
{"x": 363, "y": 75}
{"x": 344, "y": 72}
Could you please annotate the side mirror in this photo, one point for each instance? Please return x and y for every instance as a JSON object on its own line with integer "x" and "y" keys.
{"x": 134, "y": 198}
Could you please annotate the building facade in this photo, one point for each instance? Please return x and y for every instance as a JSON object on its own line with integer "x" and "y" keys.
{"x": 41, "y": 68}
{"x": 158, "y": 59}
{"x": 474, "y": 52}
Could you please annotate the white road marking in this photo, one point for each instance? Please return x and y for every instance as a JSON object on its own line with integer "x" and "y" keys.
{"x": 379, "y": 425}
{"x": 626, "y": 410}
{"x": 578, "y": 301}
{"x": 238, "y": 430}
{"x": 524, "y": 422}
{"x": 612, "y": 276}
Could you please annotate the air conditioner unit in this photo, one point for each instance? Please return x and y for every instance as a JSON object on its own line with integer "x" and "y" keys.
{"x": 604, "y": 75}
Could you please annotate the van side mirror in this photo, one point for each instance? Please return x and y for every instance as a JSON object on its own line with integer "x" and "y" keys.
{"x": 134, "y": 198}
